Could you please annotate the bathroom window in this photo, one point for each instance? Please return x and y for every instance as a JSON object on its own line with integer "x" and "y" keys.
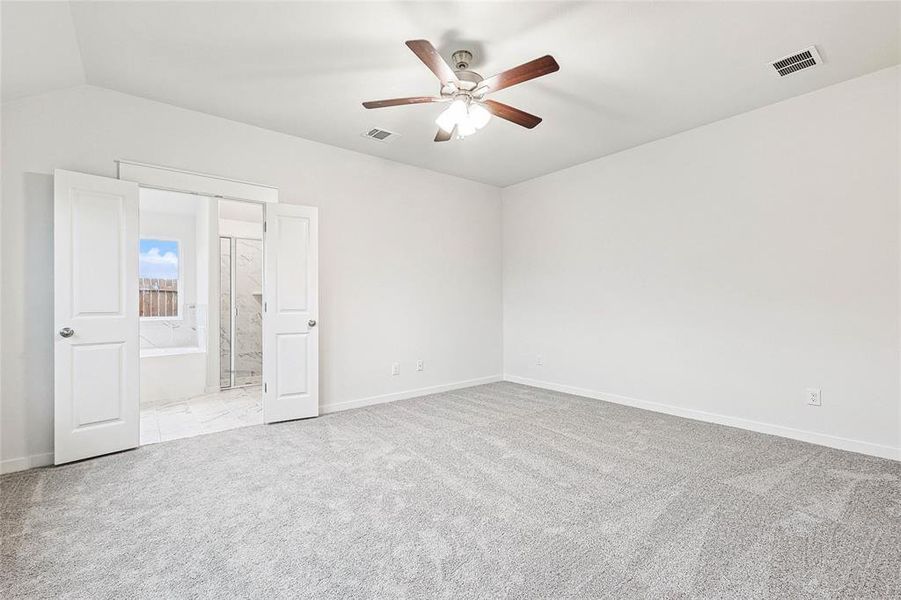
{"x": 159, "y": 279}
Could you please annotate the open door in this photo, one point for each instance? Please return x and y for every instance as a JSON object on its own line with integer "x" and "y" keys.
{"x": 96, "y": 378}
{"x": 290, "y": 306}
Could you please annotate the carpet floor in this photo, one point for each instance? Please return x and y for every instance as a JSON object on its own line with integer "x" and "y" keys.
{"x": 499, "y": 490}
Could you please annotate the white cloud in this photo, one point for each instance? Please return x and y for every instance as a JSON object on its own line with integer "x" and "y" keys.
{"x": 159, "y": 265}
{"x": 153, "y": 257}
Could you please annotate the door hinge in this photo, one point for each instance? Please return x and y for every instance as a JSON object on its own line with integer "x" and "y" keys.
{"x": 265, "y": 388}
{"x": 264, "y": 226}
{"x": 265, "y": 307}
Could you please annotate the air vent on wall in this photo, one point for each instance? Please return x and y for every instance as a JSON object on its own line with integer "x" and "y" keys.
{"x": 806, "y": 58}
{"x": 381, "y": 135}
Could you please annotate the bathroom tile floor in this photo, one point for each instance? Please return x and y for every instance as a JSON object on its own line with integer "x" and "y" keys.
{"x": 162, "y": 421}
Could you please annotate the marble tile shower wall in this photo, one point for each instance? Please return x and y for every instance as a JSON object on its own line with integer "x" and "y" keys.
{"x": 248, "y": 339}
{"x": 225, "y": 299}
{"x": 186, "y": 332}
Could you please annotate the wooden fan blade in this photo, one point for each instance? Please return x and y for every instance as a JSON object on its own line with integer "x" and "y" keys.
{"x": 427, "y": 54}
{"x": 443, "y": 136}
{"x": 400, "y": 101}
{"x": 514, "y": 115}
{"x": 530, "y": 70}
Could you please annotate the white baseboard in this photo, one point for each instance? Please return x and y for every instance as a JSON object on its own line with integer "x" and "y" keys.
{"x": 699, "y": 415}
{"x": 435, "y": 389}
{"x": 26, "y": 462}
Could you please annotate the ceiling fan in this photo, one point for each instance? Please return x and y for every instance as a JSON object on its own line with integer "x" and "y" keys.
{"x": 466, "y": 90}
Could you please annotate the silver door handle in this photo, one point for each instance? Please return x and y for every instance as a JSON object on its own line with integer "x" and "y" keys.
{"x": 311, "y": 323}
{"x": 67, "y": 332}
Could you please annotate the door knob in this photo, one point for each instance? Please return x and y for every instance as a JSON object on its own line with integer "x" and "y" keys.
{"x": 311, "y": 323}
{"x": 67, "y": 332}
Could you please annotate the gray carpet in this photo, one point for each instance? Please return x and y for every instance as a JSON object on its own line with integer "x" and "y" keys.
{"x": 494, "y": 491}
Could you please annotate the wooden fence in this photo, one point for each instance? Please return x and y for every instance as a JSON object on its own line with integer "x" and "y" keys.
{"x": 158, "y": 297}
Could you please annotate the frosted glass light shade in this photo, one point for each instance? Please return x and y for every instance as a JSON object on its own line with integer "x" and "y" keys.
{"x": 465, "y": 127}
{"x": 450, "y": 117}
{"x": 479, "y": 115}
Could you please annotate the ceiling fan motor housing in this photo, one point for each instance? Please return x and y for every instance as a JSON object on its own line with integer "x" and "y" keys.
{"x": 461, "y": 59}
{"x": 469, "y": 80}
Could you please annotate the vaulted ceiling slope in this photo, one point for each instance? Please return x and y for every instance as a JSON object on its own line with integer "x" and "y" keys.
{"x": 629, "y": 72}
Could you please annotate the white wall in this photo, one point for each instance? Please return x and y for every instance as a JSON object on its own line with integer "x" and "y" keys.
{"x": 724, "y": 270}
{"x": 410, "y": 259}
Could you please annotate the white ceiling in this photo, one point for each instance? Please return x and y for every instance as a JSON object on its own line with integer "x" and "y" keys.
{"x": 39, "y": 49}
{"x": 629, "y": 72}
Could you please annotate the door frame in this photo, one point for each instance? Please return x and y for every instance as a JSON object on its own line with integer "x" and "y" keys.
{"x": 191, "y": 182}
{"x": 178, "y": 180}
{"x": 171, "y": 179}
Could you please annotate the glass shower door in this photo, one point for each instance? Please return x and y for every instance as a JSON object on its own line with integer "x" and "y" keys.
{"x": 225, "y": 312}
{"x": 248, "y": 299}
{"x": 241, "y": 316}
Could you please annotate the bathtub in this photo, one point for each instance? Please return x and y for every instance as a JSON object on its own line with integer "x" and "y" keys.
{"x": 171, "y": 373}
{"x": 175, "y": 351}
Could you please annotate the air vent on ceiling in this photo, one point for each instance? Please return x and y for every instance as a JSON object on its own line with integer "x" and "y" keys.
{"x": 806, "y": 58}
{"x": 381, "y": 135}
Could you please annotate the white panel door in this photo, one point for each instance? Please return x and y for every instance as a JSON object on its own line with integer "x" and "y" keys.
{"x": 291, "y": 303}
{"x": 96, "y": 354}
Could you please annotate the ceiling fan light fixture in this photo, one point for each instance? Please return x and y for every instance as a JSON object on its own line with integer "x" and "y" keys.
{"x": 479, "y": 115}
{"x": 451, "y": 116}
{"x": 466, "y": 116}
{"x": 465, "y": 127}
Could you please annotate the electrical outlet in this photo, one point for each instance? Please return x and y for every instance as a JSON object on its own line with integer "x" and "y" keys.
{"x": 540, "y": 361}
{"x": 814, "y": 397}
{"x": 419, "y": 365}
{"x": 395, "y": 369}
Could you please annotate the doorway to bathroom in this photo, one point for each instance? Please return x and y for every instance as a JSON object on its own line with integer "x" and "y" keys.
{"x": 136, "y": 278}
{"x": 188, "y": 243}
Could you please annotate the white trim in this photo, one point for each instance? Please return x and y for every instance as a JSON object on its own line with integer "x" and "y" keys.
{"x": 11, "y": 465}
{"x": 177, "y": 180}
{"x": 435, "y": 389}
{"x": 699, "y": 415}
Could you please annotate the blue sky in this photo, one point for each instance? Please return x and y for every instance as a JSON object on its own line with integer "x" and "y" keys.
{"x": 158, "y": 258}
